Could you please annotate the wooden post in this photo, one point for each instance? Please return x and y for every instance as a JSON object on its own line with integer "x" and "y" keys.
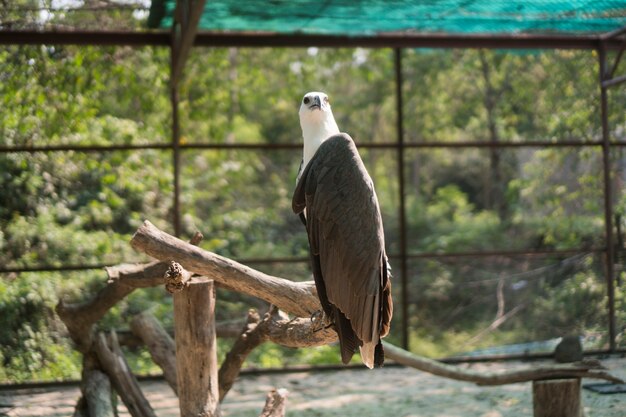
{"x": 196, "y": 351}
{"x": 557, "y": 398}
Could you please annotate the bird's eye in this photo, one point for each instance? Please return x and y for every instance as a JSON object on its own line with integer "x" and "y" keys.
{"x": 306, "y": 100}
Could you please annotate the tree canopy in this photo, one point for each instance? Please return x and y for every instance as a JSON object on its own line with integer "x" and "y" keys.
{"x": 71, "y": 208}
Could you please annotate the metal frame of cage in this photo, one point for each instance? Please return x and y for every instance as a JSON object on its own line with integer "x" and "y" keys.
{"x": 184, "y": 35}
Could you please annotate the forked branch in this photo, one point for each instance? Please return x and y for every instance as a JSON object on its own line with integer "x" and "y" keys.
{"x": 301, "y": 300}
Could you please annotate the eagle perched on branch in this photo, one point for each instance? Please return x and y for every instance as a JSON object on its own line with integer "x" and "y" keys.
{"x": 336, "y": 200}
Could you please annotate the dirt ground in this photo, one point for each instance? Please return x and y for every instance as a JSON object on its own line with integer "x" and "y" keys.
{"x": 387, "y": 392}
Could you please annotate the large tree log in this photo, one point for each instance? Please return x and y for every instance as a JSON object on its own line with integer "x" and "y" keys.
{"x": 196, "y": 350}
{"x": 293, "y": 297}
{"x": 159, "y": 343}
{"x": 125, "y": 383}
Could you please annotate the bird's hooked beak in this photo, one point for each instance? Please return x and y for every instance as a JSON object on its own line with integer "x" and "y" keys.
{"x": 316, "y": 103}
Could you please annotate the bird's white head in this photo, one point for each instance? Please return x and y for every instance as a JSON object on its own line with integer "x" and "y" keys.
{"x": 317, "y": 122}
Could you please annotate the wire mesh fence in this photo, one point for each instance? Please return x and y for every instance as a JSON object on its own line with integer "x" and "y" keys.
{"x": 491, "y": 184}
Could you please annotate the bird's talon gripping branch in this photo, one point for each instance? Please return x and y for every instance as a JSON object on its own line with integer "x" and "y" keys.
{"x": 320, "y": 321}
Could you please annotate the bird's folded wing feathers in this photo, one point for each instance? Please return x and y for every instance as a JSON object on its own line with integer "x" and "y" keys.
{"x": 345, "y": 229}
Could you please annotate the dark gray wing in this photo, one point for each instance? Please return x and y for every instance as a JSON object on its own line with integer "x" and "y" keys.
{"x": 347, "y": 242}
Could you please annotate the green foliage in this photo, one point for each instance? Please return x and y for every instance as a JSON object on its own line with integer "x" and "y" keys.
{"x": 71, "y": 208}
{"x": 32, "y": 342}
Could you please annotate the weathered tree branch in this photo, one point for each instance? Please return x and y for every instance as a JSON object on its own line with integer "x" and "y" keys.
{"x": 125, "y": 383}
{"x": 159, "y": 343}
{"x": 79, "y": 318}
{"x": 502, "y": 378}
{"x": 254, "y": 333}
{"x": 291, "y": 296}
{"x": 297, "y": 298}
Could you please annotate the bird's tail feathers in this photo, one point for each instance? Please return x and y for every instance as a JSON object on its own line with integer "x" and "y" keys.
{"x": 348, "y": 341}
{"x": 368, "y": 351}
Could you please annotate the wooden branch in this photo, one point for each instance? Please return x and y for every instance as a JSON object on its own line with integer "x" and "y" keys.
{"x": 301, "y": 299}
{"x": 275, "y": 326}
{"x": 125, "y": 383}
{"x": 254, "y": 333}
{"x": 79, "y": 318}
{"x": 229, "y": 329}
{"x": 196, "y": 350}
{"x": 159, "y": 343}
{"x": 297, "y": 298}
{"x": 299, "y": 332}
{"x": 509, "y": 377}
{"x": 275, "y": 403}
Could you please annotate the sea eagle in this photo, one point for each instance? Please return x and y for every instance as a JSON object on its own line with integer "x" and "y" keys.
{"x": 336, "y": 201}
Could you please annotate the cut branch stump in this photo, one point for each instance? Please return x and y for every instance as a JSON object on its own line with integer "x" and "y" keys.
{"x": 196, "y": 350}
{"x": 275, "y": 403}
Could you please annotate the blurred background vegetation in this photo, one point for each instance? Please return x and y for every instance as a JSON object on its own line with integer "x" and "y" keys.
{"x": 70, "y": 208}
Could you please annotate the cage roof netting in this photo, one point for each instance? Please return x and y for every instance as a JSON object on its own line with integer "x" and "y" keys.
{"x": 371, "y": 17}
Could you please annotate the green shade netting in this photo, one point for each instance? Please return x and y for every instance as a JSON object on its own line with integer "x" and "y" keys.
{"x": 370, "y": 17}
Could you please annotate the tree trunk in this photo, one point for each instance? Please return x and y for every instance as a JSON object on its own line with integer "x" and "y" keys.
{"x": 97, "y": 393}
{"x": 196, "y": 351}
{"x": 557, "y": 398}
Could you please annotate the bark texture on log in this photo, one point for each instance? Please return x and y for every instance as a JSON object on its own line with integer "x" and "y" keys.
{"x": 125, "y": 383}
{"x": 275, "y": 403}
{"x": 196, "y": 350}
{"x": 159, "y": 343}
{"x": 297, "y": 298}
{"x": 557, "y": 398}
